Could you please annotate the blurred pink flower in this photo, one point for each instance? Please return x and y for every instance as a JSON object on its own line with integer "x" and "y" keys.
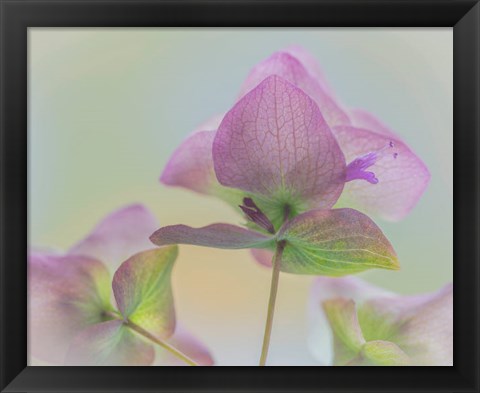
{"x": 355, "y": 323}
{"x": 72, "y": 320}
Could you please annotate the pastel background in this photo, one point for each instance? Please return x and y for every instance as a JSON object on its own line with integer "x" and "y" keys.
{"x": 108, "y": 106}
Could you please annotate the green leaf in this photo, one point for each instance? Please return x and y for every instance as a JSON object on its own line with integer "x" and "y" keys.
{"x": 347, "y": 335}
{"x": 334, "y": 243}
{"x": 384, "y": 353}
{"x": 142, "y": 289}
{"x": 109, "y": 344}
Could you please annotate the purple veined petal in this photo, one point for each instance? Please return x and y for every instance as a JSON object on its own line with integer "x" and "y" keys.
{"x": 401, "y": 177}
{"x": 288, "y": 67}
{"x": 66, "y": 294}
{"x": 276, "y": 144}
{"x": 143, "y": 291}
{"x": 189, "y": 345}
{"x": 118, "y": 236}
{"x": 422, "y": 325}
{"x": 109, "y": 344}
{"x": 320, "y": 338}
{"x": 215, "y": 235}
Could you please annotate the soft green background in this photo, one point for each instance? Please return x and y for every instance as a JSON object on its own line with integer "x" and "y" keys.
{"x": 108, "y": 106}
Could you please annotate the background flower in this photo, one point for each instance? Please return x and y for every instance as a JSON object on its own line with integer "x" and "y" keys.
{"x": 356, "y": 324}
{"x": 73, "y": 319}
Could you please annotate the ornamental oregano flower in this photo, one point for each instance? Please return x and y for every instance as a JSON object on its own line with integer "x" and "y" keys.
{"x": 402, "y": 176}
{"x": 72, "y": 320}
{"x": 380, "y": 175}
{"x": 275, "y": 148}
{"x": 353, "y": 323}
{"x": 285, "y": 155}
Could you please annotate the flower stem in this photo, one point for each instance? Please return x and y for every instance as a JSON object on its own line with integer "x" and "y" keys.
{"x": 161, "y": 343}
{"x": 151, "y": 337}
{"x": 271, "y": 302}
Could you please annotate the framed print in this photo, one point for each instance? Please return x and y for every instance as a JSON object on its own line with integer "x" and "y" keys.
{"x": 289, "y": 185}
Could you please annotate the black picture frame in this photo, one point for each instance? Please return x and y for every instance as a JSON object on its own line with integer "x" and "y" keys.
{"x": 18, "y": 15}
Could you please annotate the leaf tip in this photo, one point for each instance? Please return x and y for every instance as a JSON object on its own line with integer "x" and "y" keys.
{"x": 394, "y": 263}
{"x": 155, "y": 237}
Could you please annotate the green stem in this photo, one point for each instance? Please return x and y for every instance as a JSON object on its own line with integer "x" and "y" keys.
{"x": 271, "y": 302}
{"x": 161, "y": 343}
{"x": 154, "y": 339}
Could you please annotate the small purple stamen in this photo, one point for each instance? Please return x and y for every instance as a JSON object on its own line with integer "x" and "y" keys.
{"x": 356, "y": 170}
{"x": 255, "y": 215}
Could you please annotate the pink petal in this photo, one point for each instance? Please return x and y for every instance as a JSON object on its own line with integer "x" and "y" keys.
{"x": 143, "y": 291}
{"x": 402, "y": 176}
{"x": 191, "y": 165}
{"x": 66, "y": 294}
{"x": 109, "y": 344}
{"x": 215, "y": 235}
{"x": 288, "y": 67}
{"x": 186, "y": 343}
{"x": 275, "y": 143}
{"x": 118, "y": 236}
